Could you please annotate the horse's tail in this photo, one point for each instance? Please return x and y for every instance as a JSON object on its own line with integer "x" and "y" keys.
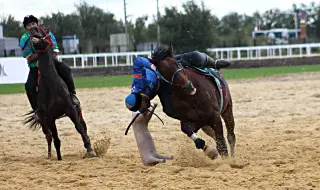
{"x": 33, "y": 123}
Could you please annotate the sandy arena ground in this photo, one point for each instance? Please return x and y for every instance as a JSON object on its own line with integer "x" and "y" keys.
{"x": 277, "y": 130}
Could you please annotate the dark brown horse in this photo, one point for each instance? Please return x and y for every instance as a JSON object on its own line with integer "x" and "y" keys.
{"x": 54, "y": 100}
{"x": 196, "y": 101}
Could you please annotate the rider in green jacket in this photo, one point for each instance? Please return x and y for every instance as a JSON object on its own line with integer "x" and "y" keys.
{"x": 31, "y": 55}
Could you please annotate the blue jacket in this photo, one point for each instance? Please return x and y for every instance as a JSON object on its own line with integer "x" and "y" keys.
{"x": 145, "y": 80}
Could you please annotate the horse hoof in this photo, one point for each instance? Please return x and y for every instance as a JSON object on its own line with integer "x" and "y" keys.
{"x": 211, "y": 152}
{"x": 91, "y": 154}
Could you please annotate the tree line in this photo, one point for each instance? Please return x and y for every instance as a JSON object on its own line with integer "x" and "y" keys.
{"x": 193, "y": 28}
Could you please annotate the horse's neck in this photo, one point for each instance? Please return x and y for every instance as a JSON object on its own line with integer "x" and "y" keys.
{"x": 46, "y": 64}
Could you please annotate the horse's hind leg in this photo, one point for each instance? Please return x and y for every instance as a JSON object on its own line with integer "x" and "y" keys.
{"x": 228, "y": 118}
{"x": 220, "y": 140}
{"x": 56, "y": 139}
{"x": 82, "y": 129}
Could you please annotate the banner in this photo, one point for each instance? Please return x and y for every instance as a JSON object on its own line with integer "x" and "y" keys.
{"x": 13, "y": 70}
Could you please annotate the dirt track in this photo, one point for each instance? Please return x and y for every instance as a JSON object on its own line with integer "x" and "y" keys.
{"x": 277, "y": 130}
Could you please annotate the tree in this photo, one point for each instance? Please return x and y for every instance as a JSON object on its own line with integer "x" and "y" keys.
{"x": 192, "y": 30}
{"x": 11, "y": 27}
{"x": 140, "y": 31}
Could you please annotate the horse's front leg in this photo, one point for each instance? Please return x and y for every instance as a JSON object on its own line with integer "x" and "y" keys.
{"x": 48, "y": 134}
{"x": 190, "y": 130}
{"x": 145, "y": 143}
{"x": 56, "y": 139}
{"x": 44, "y": 125}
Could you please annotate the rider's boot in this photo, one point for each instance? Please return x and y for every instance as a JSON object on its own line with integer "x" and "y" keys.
{"x": 70, "y": 84}
{"x": 65, "y": 73}
{"x": 216, "y": 64}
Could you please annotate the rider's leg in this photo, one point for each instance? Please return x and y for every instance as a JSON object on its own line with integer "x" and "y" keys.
{"x": 65, "y": 72}
{"x": 194, "y": 58}
{"x": 202, "y": 60}
{"x": 216, "y": 65}
{"x": 31, "y": 88}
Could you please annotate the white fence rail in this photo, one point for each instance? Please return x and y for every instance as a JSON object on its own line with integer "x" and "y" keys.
{"x": 105, "y": 59}
{"x": 234, "y": 53}
{"x": 266, "y": 52}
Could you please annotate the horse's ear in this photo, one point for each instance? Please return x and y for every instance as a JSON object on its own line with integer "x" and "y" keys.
{"x": 170, "y": 50}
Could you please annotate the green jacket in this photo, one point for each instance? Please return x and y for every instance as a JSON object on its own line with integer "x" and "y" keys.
{"x": 28, "y": 49}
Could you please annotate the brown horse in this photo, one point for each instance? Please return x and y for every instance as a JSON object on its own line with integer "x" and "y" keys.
{"x": 196, "y": 101}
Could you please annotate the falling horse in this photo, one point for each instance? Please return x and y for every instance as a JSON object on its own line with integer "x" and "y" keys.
{"x": 54, "y": 100}
{"x": 198, "y": 100}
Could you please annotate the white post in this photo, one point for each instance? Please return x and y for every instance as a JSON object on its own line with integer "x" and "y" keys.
{"x": 74, "y": 62}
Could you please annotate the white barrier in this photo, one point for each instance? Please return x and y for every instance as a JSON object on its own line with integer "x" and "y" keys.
{"x": 13, "y": 70}
{"x": 129, "y": 57}
{"x": 234, "y": 53}
{"x": 270, "y": 52}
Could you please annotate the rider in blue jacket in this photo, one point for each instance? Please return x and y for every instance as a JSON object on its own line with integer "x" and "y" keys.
{"x": 144, "y": 86}
{"x": 146, "y": 82}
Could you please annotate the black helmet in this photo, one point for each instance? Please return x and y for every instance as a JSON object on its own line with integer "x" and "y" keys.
{"x": 28, "y": 19}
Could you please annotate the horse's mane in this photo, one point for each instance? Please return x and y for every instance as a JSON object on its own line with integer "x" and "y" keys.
{"x": 160, "y": 53}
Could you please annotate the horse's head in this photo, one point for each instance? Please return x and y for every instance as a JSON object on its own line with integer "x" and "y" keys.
{"x": 171, "y": 70}
{"x": 40, "y": 38}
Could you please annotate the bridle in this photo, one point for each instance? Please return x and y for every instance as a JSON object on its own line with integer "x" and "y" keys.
{"x": 181, "y": 68}
{"x": 46, "y": 39}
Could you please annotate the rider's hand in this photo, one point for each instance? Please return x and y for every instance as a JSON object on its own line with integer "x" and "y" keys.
{"x": 153, "y": 67}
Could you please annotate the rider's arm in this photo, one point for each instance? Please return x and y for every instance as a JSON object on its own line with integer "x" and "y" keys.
{"x": 141, "y": 62}
{"x": 26, "y": 49}
{"x": 55, "y": 44}
{"x": 139, "y": 74}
